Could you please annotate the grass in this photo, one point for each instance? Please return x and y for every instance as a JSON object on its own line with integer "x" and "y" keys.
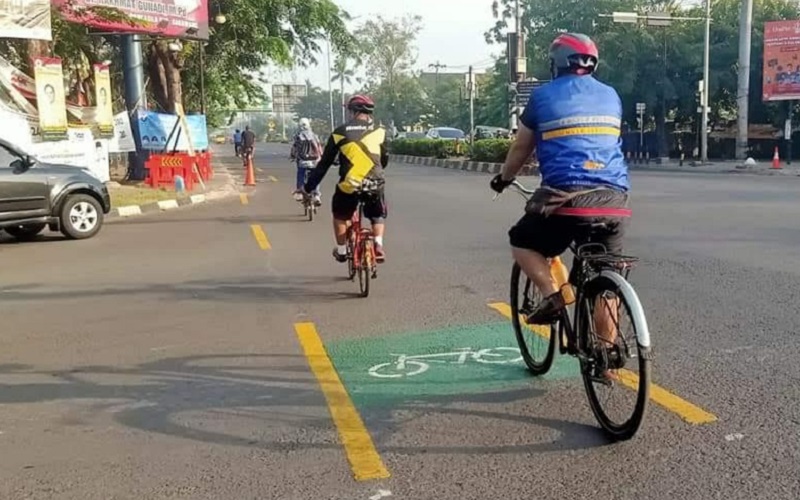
{"x": 134, "y": 195}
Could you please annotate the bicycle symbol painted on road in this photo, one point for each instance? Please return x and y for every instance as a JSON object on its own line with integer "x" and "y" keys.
{"x": 409, "y": 365}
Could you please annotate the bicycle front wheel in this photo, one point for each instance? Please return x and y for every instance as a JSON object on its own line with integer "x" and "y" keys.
{"x": 364, "y": 269}
{"x": 537, "y": 343}
{"x": 616, "y": 374}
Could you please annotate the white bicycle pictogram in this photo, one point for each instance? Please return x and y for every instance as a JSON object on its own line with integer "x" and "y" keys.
{"x": 410, "y": 365}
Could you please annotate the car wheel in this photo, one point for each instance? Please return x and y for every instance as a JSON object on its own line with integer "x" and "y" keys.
{"x": 25, "y": 232}
{"x": 81, "y": 217}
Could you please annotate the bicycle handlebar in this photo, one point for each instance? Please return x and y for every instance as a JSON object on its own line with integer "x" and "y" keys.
{"x": 519, "y": 188}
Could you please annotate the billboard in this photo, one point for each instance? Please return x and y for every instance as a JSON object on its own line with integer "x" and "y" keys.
{"x": 155, "y": 130}
{"x": 102, "y": 88}
{"x": 169, "y": 18}
{"x": 286, "y": 96}
{"x": 50, "y": 98}
{"x": 25, "y": 19}
{"x": 781, "y": 79}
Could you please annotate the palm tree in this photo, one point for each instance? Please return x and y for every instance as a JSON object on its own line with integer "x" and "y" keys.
{"x": 344, "y": 74}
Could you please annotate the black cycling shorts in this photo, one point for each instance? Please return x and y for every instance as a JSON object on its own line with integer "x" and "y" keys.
{"x": 551, "y": 236}
{"x": 344, "y": 205}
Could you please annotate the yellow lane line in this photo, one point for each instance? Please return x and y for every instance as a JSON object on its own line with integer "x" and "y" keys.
{"x": 687, "y": 411}
{"x": 261, "y": 237}
{"x": 272, "y": 178}
{"x": 361, "y": 453}
{"x": 243, "y": 199}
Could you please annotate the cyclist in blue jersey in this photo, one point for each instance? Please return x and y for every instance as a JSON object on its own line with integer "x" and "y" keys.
{"x": 574, "y": 123}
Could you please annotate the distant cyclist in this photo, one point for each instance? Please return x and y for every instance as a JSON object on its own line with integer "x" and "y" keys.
{"x": 237, "y": 142}
{"x": 574, "y": 122}
{"x": 361, "y": 148}
{"x": 306, "y": 151}
{"x": 248, "y": 142}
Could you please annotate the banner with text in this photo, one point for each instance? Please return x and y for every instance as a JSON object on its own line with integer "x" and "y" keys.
{"x": 102, "y": 88}
{"x": 781, "y": 61}
{"x": 50, "y": 98}
{"x": 155, "y": 129}
{"x": 25, "y": 19}
{"x": 122, "y": 142}
{"x": 169, "y": 18}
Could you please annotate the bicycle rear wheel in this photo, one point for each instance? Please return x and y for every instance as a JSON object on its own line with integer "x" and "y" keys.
{"x": 364, "y": 271}
{"x": 537, "y": 343}
{"x": 351, "y": 266}
{"x": 619, "y": 371}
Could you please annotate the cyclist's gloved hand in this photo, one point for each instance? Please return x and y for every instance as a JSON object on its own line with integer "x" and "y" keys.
{"x": 498, "y": 184}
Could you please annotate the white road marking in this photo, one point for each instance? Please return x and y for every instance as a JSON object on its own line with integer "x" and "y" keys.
{"x": 129, "y": 210}
{"x": 131, "y": 406}
{"x": 381, "y": 494}
{"x": 198, "y": 198}
{"x": 167, "y": 204}
{"x": 736, "y": 436}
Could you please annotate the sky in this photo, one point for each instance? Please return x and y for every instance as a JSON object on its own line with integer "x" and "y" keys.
{"x": 452, "y": 34}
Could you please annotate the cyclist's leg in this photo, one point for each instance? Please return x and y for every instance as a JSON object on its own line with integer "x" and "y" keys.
{"x": 534, "y": 240}
{"x": 376, "y": 211}
{"x": 343, "y": 206}
{"x": 300, "y": 178}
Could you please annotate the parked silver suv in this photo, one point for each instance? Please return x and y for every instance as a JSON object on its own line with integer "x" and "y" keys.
{"x": 34, "y": 195}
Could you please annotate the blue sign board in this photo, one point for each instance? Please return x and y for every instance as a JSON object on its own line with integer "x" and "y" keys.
{"x": 155, "y": 128}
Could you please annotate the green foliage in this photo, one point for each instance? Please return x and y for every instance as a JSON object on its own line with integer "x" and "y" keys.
{"x": 491, "y": 150}
{"x": 431, "y": 148}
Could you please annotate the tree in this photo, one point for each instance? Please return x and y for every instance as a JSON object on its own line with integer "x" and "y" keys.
{"x": 257, "y": 32}
{"x": 344, "y": 74}
{"x": 316, "y": 107}
{"x": 390, "y": 53}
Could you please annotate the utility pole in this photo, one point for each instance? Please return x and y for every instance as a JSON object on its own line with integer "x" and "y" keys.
{"x": 135, "y": 97}
{"x": 743, "y": 94}
{"x": 437, "y": 67}
{"x": 330, "y": 86}
{"x": 471, "y": 94}
{"x": 519, "y": 62}
{"x": 704, "y": 97}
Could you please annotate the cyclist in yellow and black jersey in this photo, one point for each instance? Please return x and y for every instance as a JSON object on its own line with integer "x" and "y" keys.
{"x": 362, "y": 153}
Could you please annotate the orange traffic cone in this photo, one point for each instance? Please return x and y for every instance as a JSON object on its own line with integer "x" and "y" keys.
{"x": 250, "y": 177}
{"x": 776, "y": 159}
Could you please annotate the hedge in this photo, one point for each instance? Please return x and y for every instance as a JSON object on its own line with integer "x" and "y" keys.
{"x": 491, "y": 150}
{"x": 432, "y": 148}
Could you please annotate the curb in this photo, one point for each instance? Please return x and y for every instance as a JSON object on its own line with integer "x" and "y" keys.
{"x": 463, "y": 165}
{"x": 228, "y": 189}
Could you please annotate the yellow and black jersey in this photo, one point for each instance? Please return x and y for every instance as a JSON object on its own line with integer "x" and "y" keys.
{"x": 361, "y": 147}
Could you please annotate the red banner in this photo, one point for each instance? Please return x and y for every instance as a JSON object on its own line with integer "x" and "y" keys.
{"x": 781, "y": 61}
{"x": 169, "y": 18}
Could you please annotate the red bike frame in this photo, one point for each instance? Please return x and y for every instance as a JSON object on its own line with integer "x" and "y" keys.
{"x": 356, "y": 237}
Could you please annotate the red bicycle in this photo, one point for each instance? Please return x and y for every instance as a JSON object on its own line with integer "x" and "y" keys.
{"x": 361, "y": 259}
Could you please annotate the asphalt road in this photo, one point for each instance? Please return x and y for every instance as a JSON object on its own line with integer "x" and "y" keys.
{"x": 162, "y": 359}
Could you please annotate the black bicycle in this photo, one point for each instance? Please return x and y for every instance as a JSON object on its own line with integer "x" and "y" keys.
{"x": 309, "y": 207}
{"x": 608, "y": 358}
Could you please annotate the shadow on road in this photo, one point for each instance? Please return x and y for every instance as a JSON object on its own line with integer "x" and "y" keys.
{"x": 302, "y": 290}
{"x": 185, "y": 396}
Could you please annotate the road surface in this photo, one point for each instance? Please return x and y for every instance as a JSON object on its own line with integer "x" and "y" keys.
{"x": 217, "y": 352}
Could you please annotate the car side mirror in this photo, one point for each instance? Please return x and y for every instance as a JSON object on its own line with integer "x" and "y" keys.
{"x": 19, "y": 165}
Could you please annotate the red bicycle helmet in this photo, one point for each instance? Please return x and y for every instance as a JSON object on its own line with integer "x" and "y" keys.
{"x": 361, "y": 104}
{"x": 573, "y": 52}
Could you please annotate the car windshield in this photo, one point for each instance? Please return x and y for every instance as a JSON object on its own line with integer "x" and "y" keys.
{"x": 450, "y": 133}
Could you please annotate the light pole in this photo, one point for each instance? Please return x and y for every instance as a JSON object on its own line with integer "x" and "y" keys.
{"x": 330, "y": 85}
{"x": 659, "y": 19}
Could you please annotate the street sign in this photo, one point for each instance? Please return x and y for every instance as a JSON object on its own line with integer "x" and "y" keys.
{"x": 524, "y": 90}
{"x": 640, "y": 107}
{"x": 659, "y": 19}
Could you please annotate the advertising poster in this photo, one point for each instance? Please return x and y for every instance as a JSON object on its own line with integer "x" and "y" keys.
{"x": 50, "y": 98}
{"x": 170, "y": 18}
{"x": 25, "y": 19}
{"x": 105, "y": 113}
{"x": 122, "y": 142}
{"x": 155, "y": 128}
{"x": 80, "y": 150}
{"x": 781, "y": 61}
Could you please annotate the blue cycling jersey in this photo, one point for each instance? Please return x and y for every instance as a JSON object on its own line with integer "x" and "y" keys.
{"x": 577, "y": 122}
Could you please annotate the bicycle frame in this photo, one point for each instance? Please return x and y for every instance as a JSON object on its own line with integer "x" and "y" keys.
{"x": 356, "y": 236}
